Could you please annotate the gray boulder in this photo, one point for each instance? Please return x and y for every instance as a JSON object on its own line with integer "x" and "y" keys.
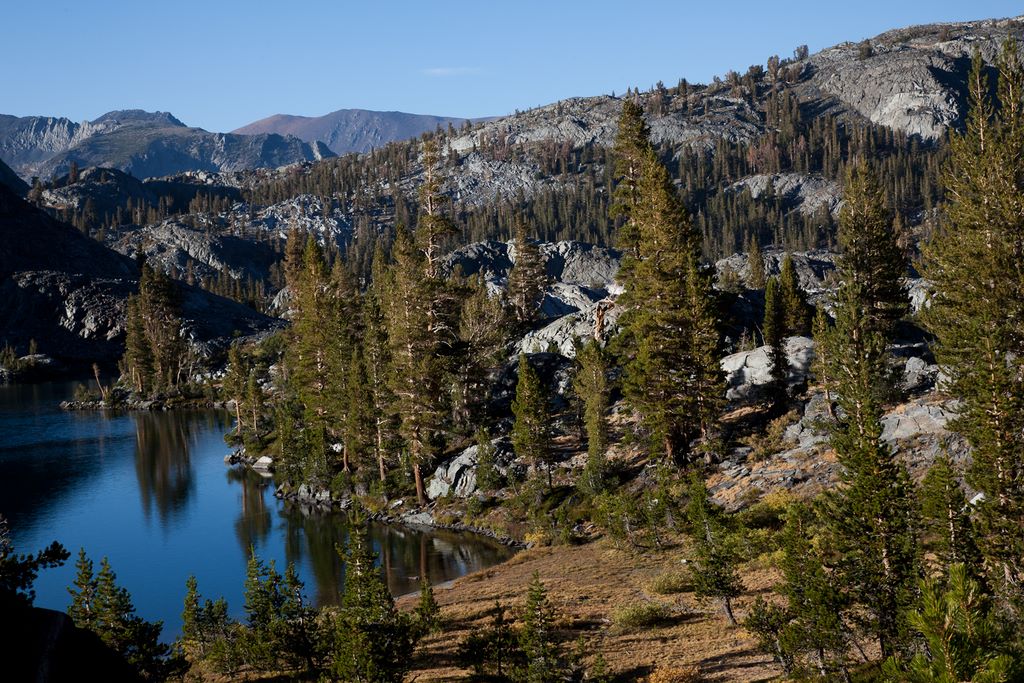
{"x": 919, "y": 375}
{"x": 914, "y": 420}
{"x": 563, "y": 332}
{"x": 748, "y": 371}
{"x": 457, "y": 476}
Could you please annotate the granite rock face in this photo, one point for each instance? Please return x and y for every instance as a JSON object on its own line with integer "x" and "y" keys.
{"x": 570, "y": 262}
{"x": 184, "y": 250}
{"x": 911, "y": 79}
{"x": 813, "y": 268}
{"x": 562, "y": 334}
{"x": 798, "y": 191}
{"x": 457, "y": 475}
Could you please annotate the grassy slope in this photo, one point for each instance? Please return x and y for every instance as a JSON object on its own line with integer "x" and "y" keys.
{"x": 587, "y": 584}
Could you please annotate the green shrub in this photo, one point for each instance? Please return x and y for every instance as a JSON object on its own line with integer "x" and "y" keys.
{"x": 639, "y": 615}
{"x": 670, "y": 583}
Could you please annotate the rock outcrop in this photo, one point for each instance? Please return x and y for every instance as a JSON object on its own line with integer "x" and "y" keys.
{"x": 570, "y": 262}
{"x": 457, "y": 475}
{"x": 798, "y": 191}
{"x": 911, "y": 79}
{"x": 196, "y": 253}
{"x": 747, "y": 372}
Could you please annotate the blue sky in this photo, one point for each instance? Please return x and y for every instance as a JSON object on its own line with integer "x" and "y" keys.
{"x": 220, "y": 64}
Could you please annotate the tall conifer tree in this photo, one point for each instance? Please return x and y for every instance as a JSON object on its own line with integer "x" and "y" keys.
{"x": 872, "y": 517}
{"x": 527, "y": 279}
{"x": 977, "y": 266}
{"x": 798, "y": 311}
{"x": 531, "y": 432}
{"x": 672, "y": 378}
{"x": 774, "y": 330}
{"x": 870, "y": 255}
{"x": 590, "y": 383}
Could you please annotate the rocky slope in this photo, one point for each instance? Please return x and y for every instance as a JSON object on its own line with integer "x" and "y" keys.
{"x": 194, "y": 252}
{"x": 351, "y": 130}
{"x": 912, "y": 80}
{"x": 141, "y": 143}
{"x": 67, "y": 292}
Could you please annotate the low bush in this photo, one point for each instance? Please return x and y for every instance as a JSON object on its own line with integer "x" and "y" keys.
{"x": 639, "y": 615}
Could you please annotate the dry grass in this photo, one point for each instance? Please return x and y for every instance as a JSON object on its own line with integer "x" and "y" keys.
{"x": 690, "y": 674}
{"x": 588, "y": 585}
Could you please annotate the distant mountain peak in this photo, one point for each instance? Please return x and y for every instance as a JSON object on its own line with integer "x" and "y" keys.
{"x": 139, "y": 116}
{"x": 351, "y": 130}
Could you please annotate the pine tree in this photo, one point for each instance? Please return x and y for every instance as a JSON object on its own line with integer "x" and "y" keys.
{"x": 358, "y": 426}
{"x": 715, "y": 561}
{"x": 672, "y": 378}
{"x": 774, "y": 331}
{"x": 137, "y": 364}
{"x": 869, "y": 251}
{"x": 317, "y": 356}
{"x": 483, "y": 335}
{"x": 810, "y": 638}
{"x": 235, "y": 384}
{"x": 294, "y": 257}
{"x": 254, "y": 401}
{"x": 531, "y": 435}
{"x": 488, "y": 478}
{"x": 83, "y": 596}
{"x": 205, "y": 625}
{"x": 428, "y": 612}
{"x": 373, "y": 640}
{"x": 416, "y": 367}
{"x": 537, "y": 639}
{"x": 632, "y": 149}
{"x": 422, "y": 312}
{"x": 946, "y": 514}
{"x": 976, "y": 311}
{"x": 872, "y": 517}
{"x": 591, "y": 386}
{"x": 965, "y": 638}
{"x": 434, "y": 226}
{"x": 794, "y": 302}
{"x": 160, "y": 313}
{"x": 756, "y": 277}
{"x": 377, "y": 358}
{"x": 264, "y": 598}
{"x": 820, "y": 329}
{"x": 527, "y": 279}
{"x": 105, "y": 608}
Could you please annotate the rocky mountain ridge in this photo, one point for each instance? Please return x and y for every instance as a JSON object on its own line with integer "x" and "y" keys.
{"x": 144, "y": 144}
{"x": 351, "y": 130}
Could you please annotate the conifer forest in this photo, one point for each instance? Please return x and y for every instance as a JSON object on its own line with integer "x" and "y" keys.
{"x": 727, "y": 378}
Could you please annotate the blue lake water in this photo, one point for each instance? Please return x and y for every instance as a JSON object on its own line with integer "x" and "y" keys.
{"x": 151, "y": 492}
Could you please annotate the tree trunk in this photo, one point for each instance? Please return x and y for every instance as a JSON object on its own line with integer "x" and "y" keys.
{"x": 727, "y": 606}
{"x": 421, "y": 497}
{"x": 380, "y": 453}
